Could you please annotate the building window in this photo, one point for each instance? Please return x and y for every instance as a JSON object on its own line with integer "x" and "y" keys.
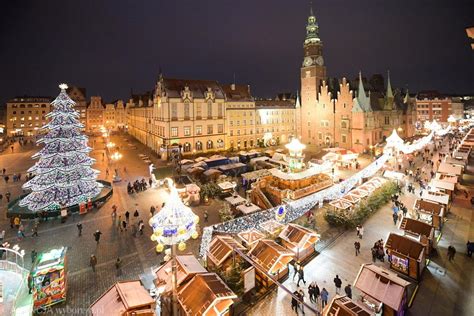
{"x": 187, "y": 131}
{"x": 209, "y": 129}
{"x": 198, "y": 130}
{"x": 231, "y": 133}
{"x": 174, "y": 132}
{"x": 209, "y": 109}
{"x": 343, "y": 124}
{"x": 344, "y": 138}
{"x": 209, "y": 144}
{"x": 174, "y": 111}
{"x": 198, "y": 111}
{"x": 198, "y": 146}
{"x": 186, "y": 110}
{"x": 187, "y": 147}
{"x": 387, "y": 120}
{"x": 220, "y": 143}
{"x": 320, "y": 136}
{"x": 220, "y": 128}
{"x": 220, "y": 109}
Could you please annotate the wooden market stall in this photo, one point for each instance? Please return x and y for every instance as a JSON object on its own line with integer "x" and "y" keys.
{"x": 205, "y": 295}
{"x": 442, "y": 186}
{"x": 420, "y": 231}
{"x": 344, "y": 306}
{"x": 272, "y": 227}
{"x": 405, "y": 255}
{"x": 124, "y": 298}
{"x": 272, "y": 258}
{"x": 299, "y": 240}
{"x": 430, "y": 212}
{"x": 221, "y": 252}
{"x": 250, "y": 237}
{"x": 446, "y": 178}
{"x": 188, "y": 266}
{"x": 437, "y": 197}
{"x": 382, "y": 291}
{"x": 351, "y": 198}
{"x": 450, "y": 169}
{"x": 341, "y": 205}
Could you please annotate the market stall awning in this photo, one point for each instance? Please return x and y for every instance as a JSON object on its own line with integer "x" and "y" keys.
{"x": 352, "y": 198}
{"x": 416, "y": 227}
{"x": 437, "y": 197}
{"x": 212, "y": 173}
{"x": 446, "y": 178}
{"x": 382, "y": 285}
{"x": 185, "y": 161}
{"x": 254, "y": 175}
{"x": 359, "y": 192}
{"x": 393, "y": 175}
{"x": 227, "y": 185}
{"x": 429, "y": 207}
{"x": 231, "y": 166}
{"x": 123, "y": 297}
{"x": 405, "y": 246}
{"x": 207, "y": 295}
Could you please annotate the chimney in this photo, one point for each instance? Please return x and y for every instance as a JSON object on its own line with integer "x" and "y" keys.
{"x": 232, "y": 86}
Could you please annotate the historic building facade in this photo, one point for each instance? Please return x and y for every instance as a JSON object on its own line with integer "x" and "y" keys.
{"x": 79, "y": 96}
{"x": 432, "y": 105}
{"x": 26, "y": 114}
{"x": 95, "y": 114}
{"x": 352, "y": 115}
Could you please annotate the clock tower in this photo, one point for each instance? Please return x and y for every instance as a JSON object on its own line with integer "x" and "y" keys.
{"x": 313, "y": 72}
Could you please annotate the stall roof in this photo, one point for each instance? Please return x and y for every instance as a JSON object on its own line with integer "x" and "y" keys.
{"x": 381, "y": 284}
{"x": 417, "y": 227}
{"x": 431, "y": 207}
{"x": 404, "y": 245}
{"x": 271, "y": 256}
{"x": 344, "y": 306}
{"x": 456, "y": 162}
{"x": 437, "y": 197}
{"x": 235, "y": 200}
{"x": 251, "y": 236}
{"x": 349, "y": 197}
{"x": 206, "y": 294}
{"x": 299, "y": 236}
{"x": 231, "y": 166}
{"x": 221, "y": 247}
{"x": 446, "y": 177}
{"x": 393, "y": 175}
{"x": 227, "y": 185}
{"x": 187, "y": 265}
{"x": 369, "y": 187}
{"x": 359, "y": 192}
{"x": 441, "y": 184}
{"x": 341, "y": 204}
{"x": 248, "y": 208}
{"x": 122, "y": 297}
{"x": 449, "y": 169}
{"x": 253, "y": 175}
{"x": 212, "y": 172}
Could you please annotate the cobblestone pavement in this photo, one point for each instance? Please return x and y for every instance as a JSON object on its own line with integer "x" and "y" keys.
{"x": 137, "y": 253}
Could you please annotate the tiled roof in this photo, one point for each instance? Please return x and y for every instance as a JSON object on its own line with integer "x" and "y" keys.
{"x": 275, "y": 104}
{"x": 174, "y": 87}
{"x": 239, "y": 93}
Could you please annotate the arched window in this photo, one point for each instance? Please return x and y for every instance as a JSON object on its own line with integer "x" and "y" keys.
{"x": 198, "y": 146}
{"x": 187, "y": 147}
{"x": 209, "y": 144}
{"x": 220, "y": 143}
{"x": 343, "y": 124}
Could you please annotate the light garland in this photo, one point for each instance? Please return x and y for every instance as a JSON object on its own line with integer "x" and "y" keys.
{"x": 63, "y": 174}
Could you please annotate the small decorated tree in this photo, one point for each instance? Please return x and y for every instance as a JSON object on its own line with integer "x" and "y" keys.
{"x": 63, "y": 173}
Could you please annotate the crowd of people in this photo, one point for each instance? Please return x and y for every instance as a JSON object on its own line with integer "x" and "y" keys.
{"x": 138, "y": 186}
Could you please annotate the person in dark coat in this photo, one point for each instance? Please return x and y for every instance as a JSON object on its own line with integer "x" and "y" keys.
{"x": 348, "y": 291}
{"x": 97, "y": 235}
{"x": 338, "y": 283}
{"x": 294, "y": 302}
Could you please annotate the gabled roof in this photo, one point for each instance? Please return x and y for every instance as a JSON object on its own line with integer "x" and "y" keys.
{"x": 416, "y": 227}
{"x": 344, "y": 306}
{"x": 205, "y": 294}
{"x": 251, "y": 236}
{"x": 122, "y": 297}
{"x": 428, "y": 206}
{"x": 404, "y": 245}
{"x": 275, "y": 104}
{"x": 271, "y": 256}
{"x": 299, "y": 236}
{"x": 234, "y": 92}
{"x": 188, "y": 266}
{"x": 221, "y": 247}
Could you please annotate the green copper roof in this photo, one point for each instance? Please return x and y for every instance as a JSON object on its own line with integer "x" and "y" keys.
{"x": 312, "y": 29}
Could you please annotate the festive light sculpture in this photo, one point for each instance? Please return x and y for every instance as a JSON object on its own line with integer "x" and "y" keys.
{"x": 172, "y": 226}
{"x": 63, "y": 174}
{"x": 296, "y": 157}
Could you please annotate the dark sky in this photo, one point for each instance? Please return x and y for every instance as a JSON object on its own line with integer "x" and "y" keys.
{"x": 110, "y": 47}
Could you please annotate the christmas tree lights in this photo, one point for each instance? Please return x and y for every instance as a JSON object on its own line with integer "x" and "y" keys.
{"x": 63, "y": 173}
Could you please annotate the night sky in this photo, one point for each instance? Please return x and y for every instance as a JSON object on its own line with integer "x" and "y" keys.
{"x": 110, "y": 47}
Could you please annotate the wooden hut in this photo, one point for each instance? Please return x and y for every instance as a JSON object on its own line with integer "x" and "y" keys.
{"x": 124, "y": 298}
{"x": 272, "y": 258}
{"x": 205, "y": 295}
{"x": 382, "y": 291}
{"x": 443, "y": 186}
{"x": 250, "y": 237}
{"x": 300, "y": 240}
{"x": 221, "y": 252}
{"x": 188, "y": 266}
{"x": 344, "y": 306}
{"x": 405, "y": 255}
{"x": 272, "y": 227}
{"x": 420, "y": 231}
{"x": 430, "y": 212}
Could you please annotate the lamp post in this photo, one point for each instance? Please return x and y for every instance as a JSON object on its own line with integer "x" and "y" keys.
{"x": 173, "y": 226}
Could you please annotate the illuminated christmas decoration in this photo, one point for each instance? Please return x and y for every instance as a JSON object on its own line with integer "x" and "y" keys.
{"x": 63, "y": 173}
{"x": 295, "y": 159}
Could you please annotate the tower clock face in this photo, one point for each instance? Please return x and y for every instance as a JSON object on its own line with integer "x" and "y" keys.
{"x": 320, "y": 60}
{"x": 308, "y": 61}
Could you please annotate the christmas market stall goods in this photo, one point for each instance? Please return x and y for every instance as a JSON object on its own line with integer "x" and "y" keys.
{"x": 221, "y": 252}
{"x": 344, "y": 306}
{"x": 49, "y": 278}
{"x": 205, "y": 295}
{"x": 430, "y": 212}
{"x": 271, "y": 258}
{"x": 420, "y": 231}
{"x": 124, "y": 298}
{"x": 382, "y": 291}
{"x": 405, "y": 255}
{"x": 300, "y": 240}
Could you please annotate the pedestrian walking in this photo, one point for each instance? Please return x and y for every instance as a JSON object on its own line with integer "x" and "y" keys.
{"x": 141, "y": 226}
{"x": 30, "y": 283}
{"x": 451, "y": 253}
{"x": 302, "y": 297}
{"x": 119, "y": 223}
{"x": 152, "y": 210}
{"x": 374, "y": 254}
{"x": 295, "y": 269}
{"x": 357, "y": 248}
{"x": 79, "y": 229}
{"x": 348, "y": 291}
{"x": 134, "y": 230}
{"x": 338, "y": 283}
{"x": 97, "y": 235}
{"x": 124, "y": 225}
{"x": 118, "y": 267}
{"x": 294, "y": 302}
{"x": 34, "y": 254}
{"x": 311, "y": 292}
{"x": 357, "y": 229}
{"x": 300, "y": 276}
{"x": 21, "y": 231}
{"x": 136, "y": 214}
{"x": 93, "y": 262}
{"x": 469, "y": 248}
{"x": 206, "y": 216}
{"x": 361, "y": 231}
{"x": 127, "y": 216}
{"x": 17, "y": 221}
{"x": 395, "y": 218}
{"x": 35, "y": 229}
{"x": 107, "y": 172}
{"x": 324, "y": 297}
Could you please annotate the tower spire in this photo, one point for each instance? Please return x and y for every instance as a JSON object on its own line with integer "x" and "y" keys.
{"x": 311, "y": 8}
{"x": 389, "y": 86}
{"x": 312, "y": 28}
{"x": 361, "y": 91}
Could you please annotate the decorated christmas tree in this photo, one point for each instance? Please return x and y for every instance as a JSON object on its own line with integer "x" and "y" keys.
{"x": 63, "y": 173}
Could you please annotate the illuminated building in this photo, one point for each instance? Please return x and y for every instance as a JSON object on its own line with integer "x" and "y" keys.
{"x": 25, "y": 115}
